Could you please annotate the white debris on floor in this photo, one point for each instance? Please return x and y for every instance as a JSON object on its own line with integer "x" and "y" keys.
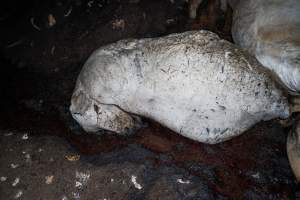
{"x": 34, "y": 25}
{"x": 76, "y": 195}
{"x": 64, "y": 198}
{"x": 49, "y": 179}
{"x": 136, "y": 185}
{"x": 256, "y": 175}
{"x": 183, "y": 182}
{"x": 16, "y": 182}
{"x": 18, "y": 194}
{"x": 14, "y": 166}
{"x": 78, "y": 184}
{"x": 81, "y": 179}
{"x": 27, "y": 157}
{"x": 69, "y": 12}
{"x": 3, "y": 178}
{"x": 8, "y": 134}
{"x": 25, "y": 136}
{"x": 90, "y": 3}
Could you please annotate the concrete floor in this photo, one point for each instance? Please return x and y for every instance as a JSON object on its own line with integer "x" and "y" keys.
{"x": 46, "y": 167}
{"x": 147, "y": 166}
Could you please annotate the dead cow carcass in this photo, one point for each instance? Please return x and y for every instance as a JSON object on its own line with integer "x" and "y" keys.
{"x": 194, "y": 83}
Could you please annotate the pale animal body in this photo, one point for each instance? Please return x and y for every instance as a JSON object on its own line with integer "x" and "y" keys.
{"x": 194, "y": 83}
{"x": 270, "y": 30}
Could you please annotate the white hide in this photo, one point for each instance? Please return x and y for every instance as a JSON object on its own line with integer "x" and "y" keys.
{"x": 194, "y": 83}
{"x": 270, "y": 30}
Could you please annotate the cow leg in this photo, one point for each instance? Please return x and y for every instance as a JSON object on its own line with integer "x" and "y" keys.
{"x": 193, "y": 6}
{"x": 294, "y": 108}
{"x": 295, "y": 104}
{"x": 293, "y": 149}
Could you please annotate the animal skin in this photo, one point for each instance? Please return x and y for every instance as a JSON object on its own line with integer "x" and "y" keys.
{"x": 194, "y": 83}
{"x": 270, "y": 30}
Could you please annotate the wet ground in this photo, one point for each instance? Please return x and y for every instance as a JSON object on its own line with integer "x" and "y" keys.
{"x": 45, "y": 154}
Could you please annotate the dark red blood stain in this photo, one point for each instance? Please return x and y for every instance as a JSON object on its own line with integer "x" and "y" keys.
{"x": 93, "y": 144}
{"x": 231, "y": 158}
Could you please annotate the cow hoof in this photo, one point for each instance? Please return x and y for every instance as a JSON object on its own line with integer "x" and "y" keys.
{"x": 94, "y": 116}
{"x": 295, "y": 104}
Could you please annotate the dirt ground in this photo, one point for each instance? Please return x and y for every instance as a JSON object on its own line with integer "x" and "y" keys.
{"x": 46, "y": 155}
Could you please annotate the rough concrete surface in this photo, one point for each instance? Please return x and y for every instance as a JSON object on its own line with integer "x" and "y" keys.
{"x": 147, "y": 166}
